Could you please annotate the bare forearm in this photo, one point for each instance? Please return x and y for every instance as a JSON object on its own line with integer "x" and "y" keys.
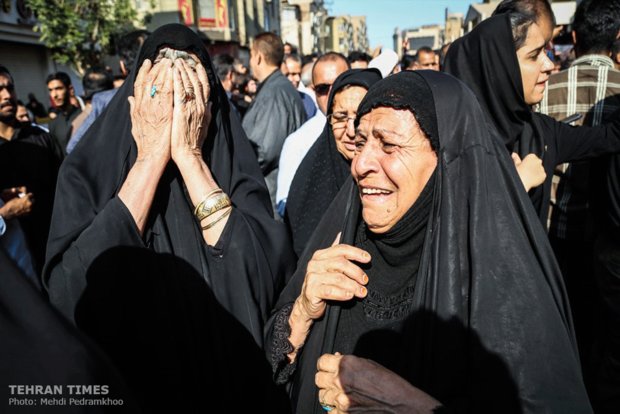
{"x": 199, "y": 182}
{"x": 138, "y": 190}
{"x": 300, "y": 328}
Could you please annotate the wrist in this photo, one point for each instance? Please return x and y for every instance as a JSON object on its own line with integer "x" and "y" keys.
{"x": 299, "y": 316}
{"x": 187, "y": 160}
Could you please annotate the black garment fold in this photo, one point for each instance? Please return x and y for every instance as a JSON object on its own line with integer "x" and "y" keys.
{"x": 490, "y": 328}
{"x": 322, "y": 171}
{"x": 99, "y": 269}
{"x": 39, "y": 347}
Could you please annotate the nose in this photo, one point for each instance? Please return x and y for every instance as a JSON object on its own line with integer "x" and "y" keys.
{"x": 547, "y": 64}
{"x": 366, "y": 161}
{"x": 350, "y": 128}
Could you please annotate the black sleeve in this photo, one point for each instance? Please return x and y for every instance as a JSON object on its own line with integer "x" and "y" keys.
{"x": 578, "y": 143}
{"x": 113, "y": 226}
{"x": 279, "y": 346}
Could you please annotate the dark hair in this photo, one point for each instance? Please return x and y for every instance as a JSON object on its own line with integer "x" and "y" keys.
{"x": 96, "y": 79}
{"x": 423, "y": 49}
{"x": 223, "y": 64}
{"x": 522, "y": 14}
{"x": 59, "y": 76}
{"x": 128, "y": 46}
{"x": 270, "y": 45}
{"x": 294, "y": 57}
{"x": 357, "y": 56}
{"x": 407, "y": 61}
{"x": 596, "y": 24}
{"x": 5, "y": 72}
{"x": 293, "y": 47}
{"x": 615, "y": 48}
{"x": 305, "y": 59}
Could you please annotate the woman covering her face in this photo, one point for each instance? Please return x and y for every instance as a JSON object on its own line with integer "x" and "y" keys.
{"x": 328, "y": 163}
{"x": 429, "y": 281}
{"x": 503, "y": 60}
{"x": 162, "y": 245}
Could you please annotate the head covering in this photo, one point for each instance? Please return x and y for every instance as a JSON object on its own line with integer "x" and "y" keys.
{"x": 414, "y": 95}
{"x": 323, "y": 170}
{"x": 489, "y": 307}
{"x": 486, "y": 60}
{"x": 168, "y": 290}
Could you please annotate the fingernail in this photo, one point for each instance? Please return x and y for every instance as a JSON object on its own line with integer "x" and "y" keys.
{"x": 365, "y": 278}
{"x": 363, "y": 291}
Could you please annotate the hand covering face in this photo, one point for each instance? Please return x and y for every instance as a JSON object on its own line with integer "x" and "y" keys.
{"x": 187, "y": 306}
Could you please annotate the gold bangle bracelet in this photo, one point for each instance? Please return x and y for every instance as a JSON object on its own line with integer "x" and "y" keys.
{"x": 217, "y": 220}
{"x": 211, "y": 205}
{"x": 205, "y": 198}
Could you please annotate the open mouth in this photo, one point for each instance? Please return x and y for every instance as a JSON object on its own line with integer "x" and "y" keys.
{"x": 374, "y": 193}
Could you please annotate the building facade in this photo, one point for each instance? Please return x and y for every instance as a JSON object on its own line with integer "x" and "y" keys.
{"x": 301, "y": 24}
{"x": 345, "y": 34}
{"x": 410, "y": 40}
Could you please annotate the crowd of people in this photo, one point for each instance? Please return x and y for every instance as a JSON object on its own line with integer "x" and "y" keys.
{"x": 437, "y": 232}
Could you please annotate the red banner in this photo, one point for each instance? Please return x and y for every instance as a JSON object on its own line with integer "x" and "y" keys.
{"x": 187, "y": 11}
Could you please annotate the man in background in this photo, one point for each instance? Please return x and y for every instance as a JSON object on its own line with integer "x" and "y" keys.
{"x": 60, "y": 90}
{"x": 29, "y": 162}
{"x": 326, "y": 69}
{"x": 291, "y": 68}
{"x": 427, "y": 59}
{"x": 590, "y": 87}
{"x": 276, "y": 111}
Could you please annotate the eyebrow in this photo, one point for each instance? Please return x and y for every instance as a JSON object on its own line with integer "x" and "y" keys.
{"x": 537, "y": 50}
{"x": 384, "y": 131}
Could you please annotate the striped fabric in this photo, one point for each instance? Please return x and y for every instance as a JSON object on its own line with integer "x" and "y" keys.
{"x": 590, "y": 87}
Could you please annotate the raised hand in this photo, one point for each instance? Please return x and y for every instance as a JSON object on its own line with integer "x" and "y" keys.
{"x": 192, "y": 111}
{"x": 151, "y": 110}
{"x": 332, "y": 275}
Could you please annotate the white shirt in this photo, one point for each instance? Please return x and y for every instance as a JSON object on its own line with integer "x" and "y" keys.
{"x": 295, "y": 148}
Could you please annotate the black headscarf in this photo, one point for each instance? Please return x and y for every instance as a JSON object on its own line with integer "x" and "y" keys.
{"x": 486, "y": 60}
{"x": 168, "y": 289}
{"x": 323, "y": 170}
{"x": 489, "y": 329}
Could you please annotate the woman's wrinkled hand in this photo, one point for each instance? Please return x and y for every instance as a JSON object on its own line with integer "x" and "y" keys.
{"x": 332, "y": 275}
{"x": 192, "y": 111}
{"x": 530, "y": 170}
{"x": 151, "y": 110}
{"x": 350, "y": 384}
